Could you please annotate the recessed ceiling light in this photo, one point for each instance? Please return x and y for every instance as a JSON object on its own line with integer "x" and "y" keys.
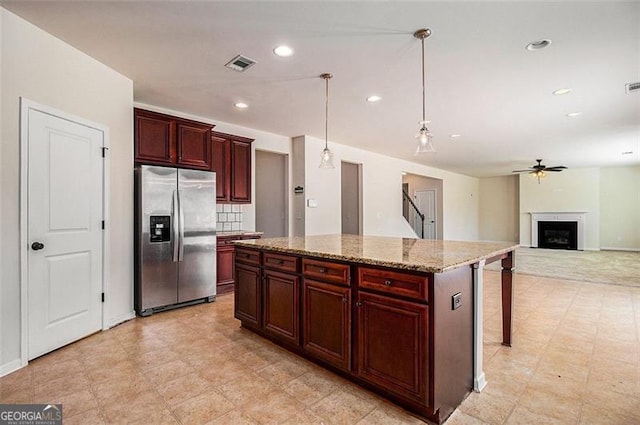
{"x": 538, "y": 44}
{"x": 241, "y": 105}
{"x": 454, "y": 136}
{"x": 283, "y": 51}
{"x": 560, "y": 92}
{"x": 627, "y": 153}
{"x": 374, "y": 98}
{"x": 574, "y": 114}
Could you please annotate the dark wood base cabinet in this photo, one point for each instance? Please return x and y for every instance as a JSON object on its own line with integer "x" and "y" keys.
{"x": 392, "y": 331}
{"x": 224, "y": 261}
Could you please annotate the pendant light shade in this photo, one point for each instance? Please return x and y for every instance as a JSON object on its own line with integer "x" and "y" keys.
{"x": 326, "y": 157}
{"x": 423, "y": 136}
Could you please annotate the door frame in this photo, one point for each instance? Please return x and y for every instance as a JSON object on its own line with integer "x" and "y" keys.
{"x": 435, "y": 208}
{"x": 25, "y": 106}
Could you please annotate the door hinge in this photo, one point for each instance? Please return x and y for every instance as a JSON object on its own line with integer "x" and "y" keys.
{"x": 103, "y": 297}
{"x": 104, "y": 151}
{"x": 102, "y": 224}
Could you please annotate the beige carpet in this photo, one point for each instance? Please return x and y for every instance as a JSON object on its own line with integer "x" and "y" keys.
{"x": 611, "y": 267}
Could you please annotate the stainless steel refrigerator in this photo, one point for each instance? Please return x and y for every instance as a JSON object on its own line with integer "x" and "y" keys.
{"x": 175, "y": 237}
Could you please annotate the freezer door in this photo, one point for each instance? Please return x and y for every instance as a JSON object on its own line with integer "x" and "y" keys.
{"x": 158, "y": 274}
{"x": 197, "y": 250}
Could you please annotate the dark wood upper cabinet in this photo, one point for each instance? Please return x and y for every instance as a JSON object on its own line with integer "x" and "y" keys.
{"x": 166, "y": 140}
{"x": 232, "y": 164}
{"x": 240, "y": 171}
{"x": 154, "y": 138}
{"x": 194, "y": 146}
{"x": 221, "y": 148}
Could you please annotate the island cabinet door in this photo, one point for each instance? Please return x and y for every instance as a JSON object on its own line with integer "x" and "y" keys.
{"x": 392, "y": 345}
{"x": 248, "y": 295}
{"x": 326, "y": 323}
{"x": 281, "y": 306}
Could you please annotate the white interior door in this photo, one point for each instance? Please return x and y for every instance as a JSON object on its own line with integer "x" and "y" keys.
{"x": 426, "y": 202}
{"x": 65, "y": 213}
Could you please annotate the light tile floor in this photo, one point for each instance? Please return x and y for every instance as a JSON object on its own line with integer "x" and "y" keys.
{"x": 575, "y": 359}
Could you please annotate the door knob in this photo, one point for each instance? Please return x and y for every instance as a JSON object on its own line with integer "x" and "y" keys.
{"x": 36, "y": 246}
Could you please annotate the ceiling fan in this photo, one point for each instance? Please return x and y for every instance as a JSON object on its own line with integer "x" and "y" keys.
{"x": 539, "y": 170}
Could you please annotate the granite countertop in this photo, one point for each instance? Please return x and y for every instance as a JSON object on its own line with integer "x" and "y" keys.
{"x": 430, "y": 256}
{"x": 232, "y": 233}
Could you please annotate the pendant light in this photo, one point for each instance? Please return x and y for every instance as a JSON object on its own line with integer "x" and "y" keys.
{"x": 326, "y": 157}
{"x": 423, "y": 136}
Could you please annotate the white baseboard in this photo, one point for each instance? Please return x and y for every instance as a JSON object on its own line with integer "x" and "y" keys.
{"x": 609, "y": 248}
{"x": 121, "y": 319}
{"x": 12, "y": 366}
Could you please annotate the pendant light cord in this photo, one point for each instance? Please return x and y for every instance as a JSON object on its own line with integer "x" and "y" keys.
{"x": 423, "y": 89}
{"x": 326, "y": 114}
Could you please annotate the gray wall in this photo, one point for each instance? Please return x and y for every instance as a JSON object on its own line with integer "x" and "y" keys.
{"x": 350, "y": 185}
{"x": 271, "y": 194}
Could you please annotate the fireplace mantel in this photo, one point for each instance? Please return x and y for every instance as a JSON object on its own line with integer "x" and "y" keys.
{"x": 579, "y": 217}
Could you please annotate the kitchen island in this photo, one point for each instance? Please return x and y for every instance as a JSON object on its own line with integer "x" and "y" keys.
{"x": 401, "y": 317}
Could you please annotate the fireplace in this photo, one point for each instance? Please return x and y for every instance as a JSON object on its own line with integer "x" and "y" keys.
{"x": 558, "y": 234}
{"x": 558, "y": 230}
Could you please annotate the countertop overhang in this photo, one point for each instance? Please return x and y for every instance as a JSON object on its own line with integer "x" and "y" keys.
{"x": 422, "y": 255}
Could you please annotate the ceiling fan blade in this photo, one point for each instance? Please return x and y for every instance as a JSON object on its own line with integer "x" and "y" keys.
{"x": 556, "y": 168}
{"x": 522, "y": 171}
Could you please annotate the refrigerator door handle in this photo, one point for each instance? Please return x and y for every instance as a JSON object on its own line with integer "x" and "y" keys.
{"x": 175, "y": 207}
{"x": 181, "y": 224}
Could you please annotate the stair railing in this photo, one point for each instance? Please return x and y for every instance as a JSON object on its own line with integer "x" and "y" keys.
{"x": 416, "y": 211}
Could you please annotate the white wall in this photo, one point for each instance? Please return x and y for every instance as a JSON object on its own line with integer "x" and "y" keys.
{"x": 382, "y": 197}
{"x": 573, "y": 190}
{"x": 41, "y": 68}
{"x": 620, "y": 208}
{"x": 499, "y": 206}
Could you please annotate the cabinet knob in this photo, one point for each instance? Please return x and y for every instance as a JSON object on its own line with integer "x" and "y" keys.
{"x": 345, "y": 300}
{"x": 322, "y": 270}
{"x": 387, "y": 282}
{"x": 359, "y": 304}
{"x": 280, "y": 262}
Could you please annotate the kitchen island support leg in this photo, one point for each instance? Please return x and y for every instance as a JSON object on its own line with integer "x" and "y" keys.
{"x": 479, "y": 381}
{"x": 507, "y": 298}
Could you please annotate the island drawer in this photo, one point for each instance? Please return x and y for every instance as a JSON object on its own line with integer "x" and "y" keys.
{"x": 326, "y": 271}
{"x": 392, "y": 282}
{"x": 247, "y": 256}
{"x": 287, "y": 263}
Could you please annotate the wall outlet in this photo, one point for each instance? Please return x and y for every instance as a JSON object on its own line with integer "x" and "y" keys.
{"x": 456, "y": 301}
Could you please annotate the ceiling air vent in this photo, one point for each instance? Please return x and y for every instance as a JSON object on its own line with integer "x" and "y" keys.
{"x": 240, "y": 63}
{"x": 631, "y": 87}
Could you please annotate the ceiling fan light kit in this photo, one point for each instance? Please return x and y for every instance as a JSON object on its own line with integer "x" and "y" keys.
{"x": 540, "y": 170}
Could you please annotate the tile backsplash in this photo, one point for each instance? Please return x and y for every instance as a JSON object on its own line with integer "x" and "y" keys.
{"x": 229, "y": 217}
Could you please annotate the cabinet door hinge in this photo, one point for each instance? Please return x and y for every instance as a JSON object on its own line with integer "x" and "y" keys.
{"x": 104, "y": 151}
{"x": 103, "y": 297}
{"x": 102, "y": 224}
